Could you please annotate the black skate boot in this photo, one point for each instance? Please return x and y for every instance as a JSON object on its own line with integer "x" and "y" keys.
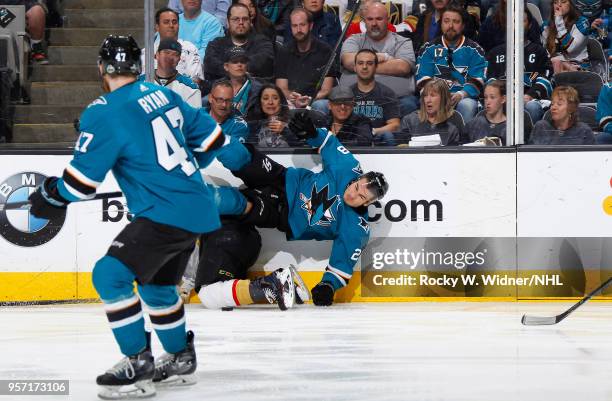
{"x": 277, "y": 287}
{"x": 129, "y": 379}
{"x": 177, "y": 369}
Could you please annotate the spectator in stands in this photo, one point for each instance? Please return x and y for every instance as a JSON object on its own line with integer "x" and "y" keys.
{"x": 357, "y": 27}
{"x": 167, "y": 57}
{"x": 592, "y": 9}
{"x": 240, "y": 33}
{"x": 167, "y": 27}
{"x": 374, "y": 100}
{"x": 457, "y": 60}
{"x": 268, "y": 120}
{"x": 429, "y": 25}
{"x": 562, "y": 126}
{"x": 490, "y": 122}
{"x": 434, "y": 117}
{"x": 277, "y": 11}
{"x": 260, "y": 24}
{"x": 395, "y": 57}
{"x": 197, "y": 26}
{"x": 604, "y": 114}
{"x": 326, "y": 25}
{"x": 221, "y": 110}
{"x": 493, "y": 30}
{"x": 246, "y": 88}
{"x": 351, "y": 129}
{"x": 565, "y": 37}
{"x": 537, "y": 74}
{"x": 218, "y": 8}
{"x": 299, "y": 65}
{"x": 36, "y": 15}
{"x": 404, "y": 27}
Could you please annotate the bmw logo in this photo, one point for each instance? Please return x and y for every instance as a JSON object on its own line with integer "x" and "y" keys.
{"x": 18, "y": 226}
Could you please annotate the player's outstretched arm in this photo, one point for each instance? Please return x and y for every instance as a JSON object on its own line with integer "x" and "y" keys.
{"x": 345, "y": 253}
{"x": 333, "y": 154}
{"x": 94, "y": 155}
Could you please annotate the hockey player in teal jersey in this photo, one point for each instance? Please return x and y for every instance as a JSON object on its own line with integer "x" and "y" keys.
{"x": 155, "y": 144}
{"x": 330, "y": 205}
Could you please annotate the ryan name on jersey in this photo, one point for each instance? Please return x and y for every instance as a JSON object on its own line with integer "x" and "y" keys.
{"x": 153, "y": 101}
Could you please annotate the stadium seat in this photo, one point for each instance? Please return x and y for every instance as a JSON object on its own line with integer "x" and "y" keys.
{"x": 586, "y": 114}
{"x": 457, "y": 120}
{"x": 587, "y": 83}
{"x": 535, "y": 13}
{"x": 598, "y": 59}
{"x": 12, "y": 29}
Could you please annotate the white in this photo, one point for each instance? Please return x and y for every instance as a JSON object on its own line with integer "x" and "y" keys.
{"x": 438, "y": 351}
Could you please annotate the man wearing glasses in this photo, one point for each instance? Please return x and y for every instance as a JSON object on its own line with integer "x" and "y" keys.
{"x": 240, "y": 34}
{"x": 459, "y": 61}
{"x": 222, "y": 111}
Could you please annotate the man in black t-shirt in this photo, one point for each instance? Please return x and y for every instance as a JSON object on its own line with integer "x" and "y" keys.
{"x": 299, "y": 64}
{"x": 240, "y": 33}
{"x": 375, "y": 100}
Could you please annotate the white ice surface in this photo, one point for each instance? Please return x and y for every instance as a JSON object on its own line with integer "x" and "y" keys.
{"x": 413, "y": 351}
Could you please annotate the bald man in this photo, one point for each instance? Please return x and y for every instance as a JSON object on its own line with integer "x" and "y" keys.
{"x": 396, "y": 59}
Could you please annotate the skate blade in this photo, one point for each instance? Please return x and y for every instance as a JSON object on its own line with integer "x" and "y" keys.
{"x": 177, "y": 381}
{"x": 303, "y": 294}
{"x": 142, "y": 389}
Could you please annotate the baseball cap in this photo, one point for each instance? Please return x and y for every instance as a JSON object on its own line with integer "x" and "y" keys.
{"x": 236, "y": 53}
{"x": 169, "y": 44}
{"x": 341, "y": 94}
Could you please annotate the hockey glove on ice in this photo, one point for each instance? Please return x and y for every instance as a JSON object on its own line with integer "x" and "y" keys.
{"x": 46, "y": 202}
{"x": 323, "y": 294}
{"x": 302, "y": 125}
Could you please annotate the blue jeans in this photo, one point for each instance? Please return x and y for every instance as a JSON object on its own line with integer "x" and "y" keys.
{"x": 605, "y": 138}
{"x": 468, "y": 108}
{"x": 321, "y": 105}
{"x": 408, "y": 104}
{"x": 535, "y": 111}
{"x": 384, "y": 139}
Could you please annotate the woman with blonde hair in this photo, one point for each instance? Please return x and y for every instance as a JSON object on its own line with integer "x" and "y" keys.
{"x": 433, "y": 116}
{"x": 566, "y": 37}
{"x": 561, "y": 126}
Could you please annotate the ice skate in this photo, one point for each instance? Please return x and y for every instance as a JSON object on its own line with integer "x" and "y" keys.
{"x": 277, "y": 287}
{"x": 131, "y": 378}
{"x": 302, "y": 294}
{"x": 177, "y": 369}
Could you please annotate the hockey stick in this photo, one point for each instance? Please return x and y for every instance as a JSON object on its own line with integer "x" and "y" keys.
{"x": 331, "y": 60}
{"x": 549, "y": 320}
{"x": 19, "y": 205}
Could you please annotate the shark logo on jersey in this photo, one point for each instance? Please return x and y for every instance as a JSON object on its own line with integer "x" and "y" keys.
{"x": 364, "y": 224}
{"x": 452, "y": 74}
{"x": 18, "y": 226}
{"x": 318, "y": 206}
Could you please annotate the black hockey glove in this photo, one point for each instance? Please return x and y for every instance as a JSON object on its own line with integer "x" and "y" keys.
{"x": 46, "y": 202}
{"x": 323, "y": 294}
{"x": 302, "y": 125}
{"x": 264, "y": 213}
